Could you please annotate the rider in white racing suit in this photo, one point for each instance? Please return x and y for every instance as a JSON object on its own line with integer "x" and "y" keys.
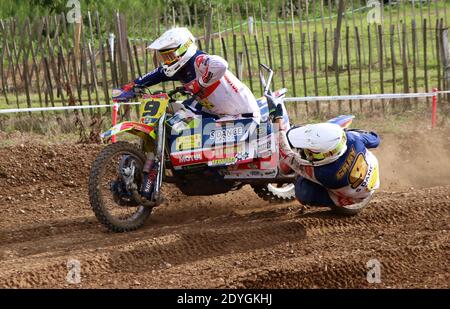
{"x": 217, "y": 91}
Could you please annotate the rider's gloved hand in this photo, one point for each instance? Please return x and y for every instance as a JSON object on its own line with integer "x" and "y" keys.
{"x": 129, "y": 87}
{"x": 126, "y": 93}
{"x": 119, "y": 95}
{"x": 278, "y": 113}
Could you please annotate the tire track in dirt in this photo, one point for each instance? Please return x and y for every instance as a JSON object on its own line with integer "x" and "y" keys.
{"x": 348, "y": 271}
{"x": 189, "y": 242}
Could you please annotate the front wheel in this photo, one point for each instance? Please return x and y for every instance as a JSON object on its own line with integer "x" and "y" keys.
{"x": 275, "y": 193}
{"x": 114, "y": 173}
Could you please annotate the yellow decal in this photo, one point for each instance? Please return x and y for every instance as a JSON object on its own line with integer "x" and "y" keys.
{"x": 206, "y": 104}
{"x": 188, "y": 142}
{"x": 373, "y": 179}
{"x": 347, "y": 164}
{"x": 358, "y": 172}
{"x": 152, "y": 109}
{"x": 228, "y": 150}
{"x": 231, "y": 160}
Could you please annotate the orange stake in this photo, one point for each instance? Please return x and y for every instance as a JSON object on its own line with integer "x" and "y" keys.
{"x": 434, "y": 108}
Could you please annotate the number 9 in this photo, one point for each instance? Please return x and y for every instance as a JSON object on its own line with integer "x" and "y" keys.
{"x": 151, "y": 108}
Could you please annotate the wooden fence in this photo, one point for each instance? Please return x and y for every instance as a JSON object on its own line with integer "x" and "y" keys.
{"x": 47, "y": 61}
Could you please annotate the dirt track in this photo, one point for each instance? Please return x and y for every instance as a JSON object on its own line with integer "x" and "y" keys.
{"x": 232, "y": 240}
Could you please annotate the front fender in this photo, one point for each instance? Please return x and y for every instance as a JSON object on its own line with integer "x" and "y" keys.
{"x": 136, "y": 128}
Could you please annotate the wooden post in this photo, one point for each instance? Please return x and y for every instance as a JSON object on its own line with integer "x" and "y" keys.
{"x": 370, "y": 64}
{"x": 302, "y": 50}
{"x": 300, "y": 19}
{"x": 262, "y": 34}
{"x": 405, "y": 65}
{"x": 446, "y": 62}
{"x": 292, "y": 65}
{"x": 414, "y": 45}
{"x": 48, "y": 81}
{"x": 438, "y": 56}
{"x": 224, "y": 48}
{"x": 336, "y": 68}
{"x": 93, "y": 58}
{"x": 259, "y": 59}
{"x": 85, "y": 71}
{"x": 2, "y": 72}
{"x": 431, "y": 30}
{"x": 425, "y": 56}
{"x": 209, "y": 28}
{"x": 381, "y": 67}
{"x": 247, "y": 56}
{"x": 337, "y": 37}
{"x": 136, "y": 58}
{"x": 236, "y": 67}
{"x": 269, "y": 50}
{"x": 359, "y": 64}
{"x": 393, "y": 61}
{"x": 77, "y": 38}
{"x": 35, "y": 66}
{"x": 122, "y": 40}
{"x": 316, "y": 88}
{"x": 102, "y": 60}
{"x": 325, "y": 42}
{"x": 349, "y": 75}
{"x": 25, "y": 76}
{"x": 281, "y": 60}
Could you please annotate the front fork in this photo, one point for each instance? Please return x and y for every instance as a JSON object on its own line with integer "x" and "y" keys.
{"x": 155, "y": 163}
{"x": 159, "y": 160}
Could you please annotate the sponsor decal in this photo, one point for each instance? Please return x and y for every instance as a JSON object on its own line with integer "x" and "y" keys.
{"x": 223, "y": 161}
{"x": 232, "y": 85}
{"x": 225, "y": 135}
{"x": 242, "y": 156}
{"x": 251, "y": 174}
{"x": 206, "y": 104}
{"x": 359, "y": 171}
{"x": 347, "y": 164}
{"x": 199, "y": 60}
{"x": 188, "y": 142}
{"x": 190, "y": 158}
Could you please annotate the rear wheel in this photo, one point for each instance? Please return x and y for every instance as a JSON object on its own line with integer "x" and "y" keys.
{"x": 117, "y": 168}
{"x": 275, "y": 193}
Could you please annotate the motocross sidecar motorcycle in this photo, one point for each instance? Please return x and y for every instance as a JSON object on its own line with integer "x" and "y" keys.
{"x": 201, "y": 156}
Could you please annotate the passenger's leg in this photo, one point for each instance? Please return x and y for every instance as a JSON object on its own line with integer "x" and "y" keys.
{"x": 311, "y": 193}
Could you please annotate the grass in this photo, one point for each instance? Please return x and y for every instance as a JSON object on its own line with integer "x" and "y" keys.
{"x": 282, "y": 62}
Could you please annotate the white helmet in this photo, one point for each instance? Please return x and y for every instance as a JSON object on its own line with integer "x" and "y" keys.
{"x": 174, "y": 48}
{"x": 320, "y": 143}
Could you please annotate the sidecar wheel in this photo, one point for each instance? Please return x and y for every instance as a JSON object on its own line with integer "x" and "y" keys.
{"x": 274, "y": 193}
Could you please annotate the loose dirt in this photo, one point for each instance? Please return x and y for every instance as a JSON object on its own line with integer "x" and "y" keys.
{"x": 229, "y": 240}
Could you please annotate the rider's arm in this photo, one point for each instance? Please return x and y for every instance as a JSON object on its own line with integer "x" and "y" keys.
{"x": 212, "y": 68}
{"x": 370, "y": 139}
{"x": 290, "y": 158}
{"x": 152, "y": 78}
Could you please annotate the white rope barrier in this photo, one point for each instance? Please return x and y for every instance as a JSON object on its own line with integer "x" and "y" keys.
{"x": 362, "y": 97}
{"x": 291, "y": 99}
{"x": 59, "y": 108}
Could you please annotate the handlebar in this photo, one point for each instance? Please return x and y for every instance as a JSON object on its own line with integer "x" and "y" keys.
{"x": 266, "y": 85}
{"x": 265, "y": 67}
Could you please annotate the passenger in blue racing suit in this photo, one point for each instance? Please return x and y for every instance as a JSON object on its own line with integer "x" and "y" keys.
{"x": 334, "y": 166}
